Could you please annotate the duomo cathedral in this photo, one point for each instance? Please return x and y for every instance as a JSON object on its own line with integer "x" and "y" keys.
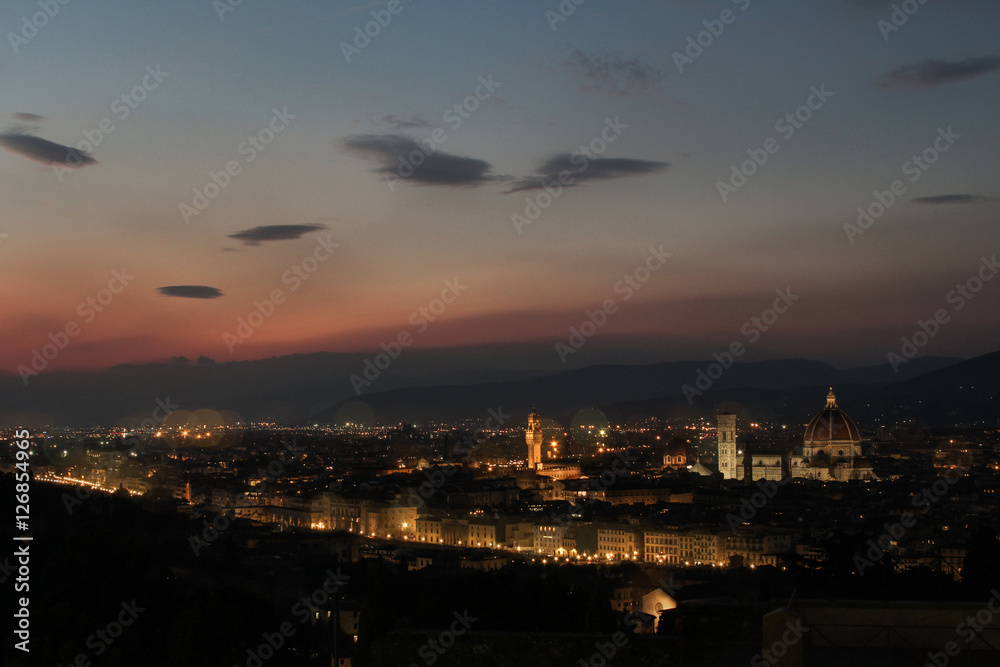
{"x": 831, "y": 451}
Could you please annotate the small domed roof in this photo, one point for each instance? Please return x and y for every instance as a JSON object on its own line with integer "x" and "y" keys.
{"x": 831, "y": 425}
{"x": 677, "y": 447}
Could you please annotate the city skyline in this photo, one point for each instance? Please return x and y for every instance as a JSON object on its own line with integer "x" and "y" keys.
{"x": 383, "y": 332}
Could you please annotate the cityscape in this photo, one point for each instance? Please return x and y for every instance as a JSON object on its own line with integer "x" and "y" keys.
{"x": 364, "y": 333}
{"x": 654, "y": 526}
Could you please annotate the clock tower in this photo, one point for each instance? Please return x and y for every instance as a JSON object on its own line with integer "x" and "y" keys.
{"x": 533, "y": 437}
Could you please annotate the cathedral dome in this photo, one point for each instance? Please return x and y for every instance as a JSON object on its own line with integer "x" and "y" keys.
{"x": 831, "y": 425}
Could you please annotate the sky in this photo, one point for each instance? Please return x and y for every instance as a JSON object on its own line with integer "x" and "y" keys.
{"x": 239, "y": 181}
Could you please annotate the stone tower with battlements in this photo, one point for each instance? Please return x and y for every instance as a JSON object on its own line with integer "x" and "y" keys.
{"x": 533, "y": 437}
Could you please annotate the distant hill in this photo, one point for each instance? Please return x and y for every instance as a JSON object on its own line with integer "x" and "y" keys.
{"x": 447, "y": 385}
{"x": 960, "y": 392}
{"x": 777, "y": 387}
{"x": 963, "y": 393}
{"x": 284, "y": 389}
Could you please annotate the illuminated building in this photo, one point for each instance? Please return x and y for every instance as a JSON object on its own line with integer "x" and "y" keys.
{"x": 831, "y": 448}
{"x": 727, "y": 447}
{"x": 533, "y": 437}
{"x": 831, "y": 451}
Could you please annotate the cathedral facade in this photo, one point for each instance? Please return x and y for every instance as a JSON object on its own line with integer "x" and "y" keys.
{"x": 831, "y": 451}
{"x": 831, "y": 448}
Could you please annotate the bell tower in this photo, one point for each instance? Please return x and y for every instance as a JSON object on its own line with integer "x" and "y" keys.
{"x": 533, "y": 437}
{"x": 729, "y": 464}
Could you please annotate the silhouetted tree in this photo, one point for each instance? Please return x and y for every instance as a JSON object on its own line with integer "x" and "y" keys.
{"x": 981, "y": 570}
{"x": 600, "y": 616}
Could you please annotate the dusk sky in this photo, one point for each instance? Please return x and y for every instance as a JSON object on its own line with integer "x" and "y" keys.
{"x": 663, "y": 131}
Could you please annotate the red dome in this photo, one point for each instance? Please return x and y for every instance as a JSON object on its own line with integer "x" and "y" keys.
{"x": 678, "y": 447}
{"x": 831, "y": 425}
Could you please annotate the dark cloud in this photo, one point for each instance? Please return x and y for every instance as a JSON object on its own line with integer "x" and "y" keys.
{"x": 933, "y": 73}
{"x": 205, "y": 361}
{"x": 27, "y": 117}
{"x": 403, "y": 157}
{"x": 611, "y": 74}
{"x": 399, "y": 122}
{"x": 955, "y": 199}
{"x": 582, "y": 168}
{"x": 258, "y": 235}
{"x": 180, "y": 360}
{"x": 190, "y": 291}
{"x": 44, "y": 151}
